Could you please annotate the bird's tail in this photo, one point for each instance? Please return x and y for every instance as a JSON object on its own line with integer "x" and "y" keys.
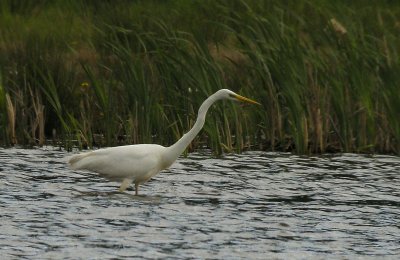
{"x": 75, "y": 161}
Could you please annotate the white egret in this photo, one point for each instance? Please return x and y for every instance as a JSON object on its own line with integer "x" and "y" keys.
{"x": 138, "y": 163}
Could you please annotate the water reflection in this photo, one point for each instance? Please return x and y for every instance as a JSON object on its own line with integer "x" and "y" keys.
{"x": 251, "y": 206}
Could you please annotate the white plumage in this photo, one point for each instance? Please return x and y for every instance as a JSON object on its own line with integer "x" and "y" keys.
{"x": 138, "y": 163}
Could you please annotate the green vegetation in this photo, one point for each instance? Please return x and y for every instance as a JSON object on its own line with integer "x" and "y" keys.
{"x": 102, "y": 73}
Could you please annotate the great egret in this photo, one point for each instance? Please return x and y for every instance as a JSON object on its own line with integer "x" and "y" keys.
{"x": 138, "y": 163}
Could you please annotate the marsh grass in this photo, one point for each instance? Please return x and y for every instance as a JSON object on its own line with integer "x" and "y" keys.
{"x": 97, "y": 74}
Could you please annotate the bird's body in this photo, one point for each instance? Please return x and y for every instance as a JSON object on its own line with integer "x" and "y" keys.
{"x": 138, "y": 163}
{"x": 118, "y": 163}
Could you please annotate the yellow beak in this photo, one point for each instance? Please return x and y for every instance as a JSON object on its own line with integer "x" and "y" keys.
{"x": 244, "y": 99}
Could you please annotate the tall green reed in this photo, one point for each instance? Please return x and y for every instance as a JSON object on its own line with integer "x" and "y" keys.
{"x": 325, "y": 73}
{"x": 3, "y": 113}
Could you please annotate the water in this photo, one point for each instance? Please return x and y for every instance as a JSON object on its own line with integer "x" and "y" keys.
{"x": 255, "y": 205}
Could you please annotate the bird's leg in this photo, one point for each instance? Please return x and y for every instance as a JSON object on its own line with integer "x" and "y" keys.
{"x": 125, "y": 184}
{"x": 136, "y": 188}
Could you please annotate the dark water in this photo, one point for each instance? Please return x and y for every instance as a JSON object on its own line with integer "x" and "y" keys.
{"x": 251, "y": 206}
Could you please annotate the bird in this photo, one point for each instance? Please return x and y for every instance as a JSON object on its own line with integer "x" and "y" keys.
{"x": 138, "y": 163}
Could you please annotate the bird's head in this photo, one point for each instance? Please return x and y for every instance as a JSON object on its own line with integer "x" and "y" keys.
{"x": 229, "y": 94}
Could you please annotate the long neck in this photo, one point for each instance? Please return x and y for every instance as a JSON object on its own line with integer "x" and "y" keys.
{"x": 177, "y": 149}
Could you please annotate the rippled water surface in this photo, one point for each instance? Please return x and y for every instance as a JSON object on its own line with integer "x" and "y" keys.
{"x": 255, "y": 205}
